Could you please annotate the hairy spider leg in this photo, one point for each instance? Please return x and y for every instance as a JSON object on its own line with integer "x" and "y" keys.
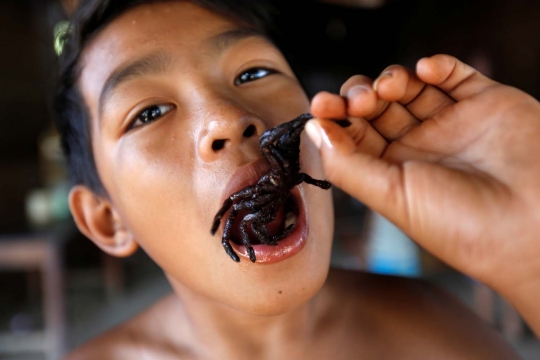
{"x": 255, "y": 205}
{"x": 246, "y": 204}
{"x": 217, "y": 219}
{"x": 245, "y": 236}
{"x": 240, "y": 195}
{"x": 323, "y": 184}
{"x": 259, "y": 228}
{"x": 284, "y": 233}
{"x": 269, "y": 207}
{"x": 226, "y": 235}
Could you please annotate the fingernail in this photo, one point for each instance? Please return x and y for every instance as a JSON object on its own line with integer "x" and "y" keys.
{"x": 357, "y": 90}
{"x": 329, "y": 135}
{"x": 318, "y": 134}
{"x": 314, "y": 130}
{"x": 384, "y": 74}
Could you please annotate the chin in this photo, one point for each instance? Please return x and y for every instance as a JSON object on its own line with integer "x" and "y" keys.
{"x": 274, "y": 300}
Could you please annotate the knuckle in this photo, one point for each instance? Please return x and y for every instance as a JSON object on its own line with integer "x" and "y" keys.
{"x": 353, "y": 81}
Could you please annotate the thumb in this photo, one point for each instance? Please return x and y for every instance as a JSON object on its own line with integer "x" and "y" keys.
{"x": 375, "y": 182}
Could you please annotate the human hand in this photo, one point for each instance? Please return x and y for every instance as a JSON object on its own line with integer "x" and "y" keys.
{"x": 457, "y": 167}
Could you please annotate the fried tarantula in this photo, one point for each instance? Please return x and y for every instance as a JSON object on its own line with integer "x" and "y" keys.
{"x": 280, "y": 147}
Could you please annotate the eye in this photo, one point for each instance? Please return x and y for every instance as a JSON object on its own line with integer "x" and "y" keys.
{"x": 252, "y": 74}
{"x": 150, "y": 114}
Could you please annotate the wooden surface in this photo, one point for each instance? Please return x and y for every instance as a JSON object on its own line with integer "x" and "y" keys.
{"x": 38, "y": 253}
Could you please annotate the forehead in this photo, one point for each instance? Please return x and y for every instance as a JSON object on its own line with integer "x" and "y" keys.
{"x": 178, "y": 26}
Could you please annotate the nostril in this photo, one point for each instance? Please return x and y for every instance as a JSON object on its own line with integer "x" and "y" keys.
{"x": 218, "y": 145}
{"x": 249, "y": 131}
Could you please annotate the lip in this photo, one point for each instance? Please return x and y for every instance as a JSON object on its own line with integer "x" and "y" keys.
{"x": 245, "y": 175}
{"x": 287, "y": 247}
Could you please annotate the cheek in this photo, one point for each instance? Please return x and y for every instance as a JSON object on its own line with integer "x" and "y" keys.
{"x": 319, "y": 202}
{"x": 152, "y": 187}
{"x": 167, "y": 200}
{"x": 279, "y": 103}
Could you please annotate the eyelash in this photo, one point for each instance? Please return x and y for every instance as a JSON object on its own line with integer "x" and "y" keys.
{"x": 150, "y": 114}
{"x": 252, "y": 74}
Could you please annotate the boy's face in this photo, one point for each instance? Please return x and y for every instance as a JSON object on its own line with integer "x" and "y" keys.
{"x": 164, "y": 173}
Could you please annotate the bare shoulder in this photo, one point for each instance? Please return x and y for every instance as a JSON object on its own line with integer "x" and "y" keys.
{"x": 133, "y": 339}
{"x": 418, "y": 316}
{"x": 117, "y": 343}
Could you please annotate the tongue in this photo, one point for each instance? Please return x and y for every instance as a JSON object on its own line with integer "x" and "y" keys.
{"x": 274, "y": 227}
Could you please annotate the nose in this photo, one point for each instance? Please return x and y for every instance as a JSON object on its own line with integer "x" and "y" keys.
{"x": 230, "y": 128}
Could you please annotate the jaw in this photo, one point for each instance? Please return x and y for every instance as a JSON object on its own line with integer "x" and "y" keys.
{"x": 280, "y": 283}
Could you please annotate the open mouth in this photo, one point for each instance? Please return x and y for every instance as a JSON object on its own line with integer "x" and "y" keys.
{"x": 292, "y": 213}
{"x": 283, "y": 224}
{"x": 271, "y": 235}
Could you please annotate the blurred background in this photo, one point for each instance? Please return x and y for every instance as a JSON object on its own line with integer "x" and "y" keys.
{"x": 57, "y": 289}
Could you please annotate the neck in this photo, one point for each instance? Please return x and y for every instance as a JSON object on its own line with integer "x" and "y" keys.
{"x": 214, "y": 330}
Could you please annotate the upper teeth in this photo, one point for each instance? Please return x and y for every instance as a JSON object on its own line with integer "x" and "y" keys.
{"x": 290, "y": 218}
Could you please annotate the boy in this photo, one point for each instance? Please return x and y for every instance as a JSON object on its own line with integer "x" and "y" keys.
{"x": 160, "y": 109}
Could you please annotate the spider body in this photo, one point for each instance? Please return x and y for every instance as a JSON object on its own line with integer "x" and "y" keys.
{"x": 280, "y": 147}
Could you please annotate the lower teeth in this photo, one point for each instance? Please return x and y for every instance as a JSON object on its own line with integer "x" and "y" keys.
{"x": 290, "y": 219}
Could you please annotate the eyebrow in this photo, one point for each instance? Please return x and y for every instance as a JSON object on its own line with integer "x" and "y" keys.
{"x": 157, "y": 63}
{"x": 163, "y": 62}
{"x": 221, "y": 41}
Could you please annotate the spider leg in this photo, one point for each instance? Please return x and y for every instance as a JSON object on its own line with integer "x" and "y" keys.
{"x": 217, "y": 219}
{"x": 238, "y": 196}
{"x": 253, "y": 204}
{"x": 284, "y": 233}
{"x": 247, "y": 204}
{"x": 323, "y": 184}
{"x": 249, "y": 218}
{"x": 262, "y": 233}
{"x": 227, "y": 235}
{"x": 266, "y": 215}
{"x": 260, "y": 230}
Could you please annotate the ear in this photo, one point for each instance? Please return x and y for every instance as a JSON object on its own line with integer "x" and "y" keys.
{"x": 98, "y": 220}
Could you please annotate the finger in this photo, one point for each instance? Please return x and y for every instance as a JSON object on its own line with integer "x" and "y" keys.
{"x": 364, "y": 176}
{"x": 457, "y": 79}
{"x": 390, "y": 119}
{"x": 364, "y": 137}
{"x": 394, "y": 122}
{"x": 328, "y": 106}
{"x": 400, "y": 84}
{"x": 412, "y": 194}
{"x": 362, "y": 101}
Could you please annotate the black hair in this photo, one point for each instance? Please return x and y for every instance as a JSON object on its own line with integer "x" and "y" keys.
{"x": 71, "y": 113}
